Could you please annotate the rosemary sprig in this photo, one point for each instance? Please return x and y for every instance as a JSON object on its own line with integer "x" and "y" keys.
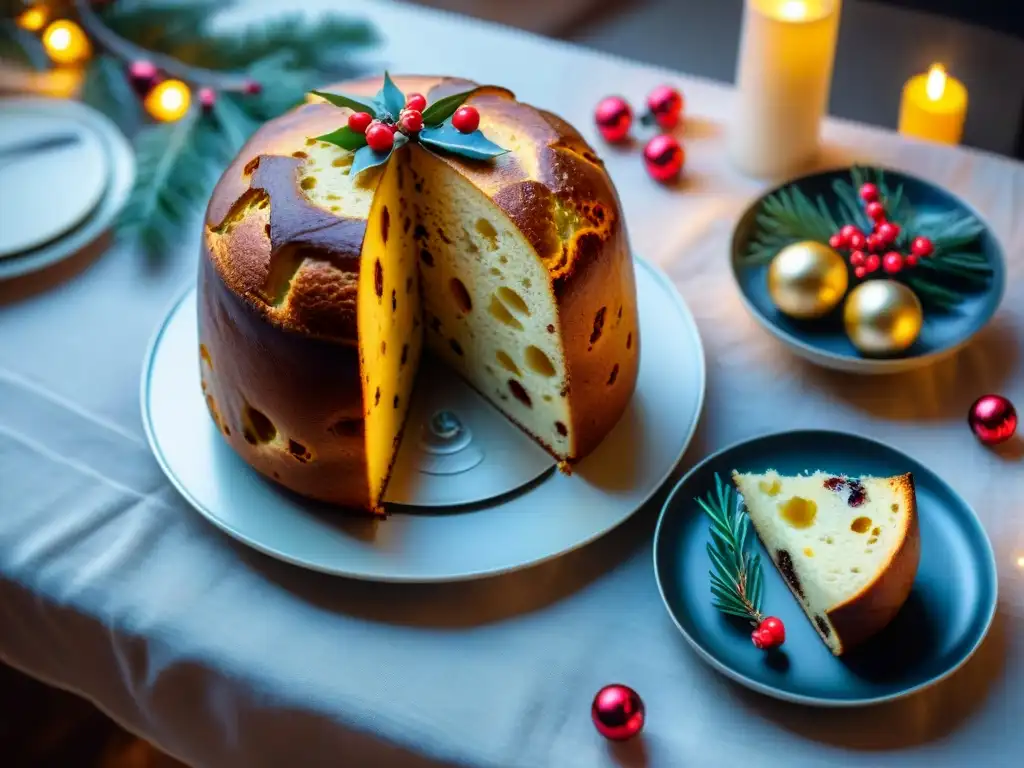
{"x": 957, "y": 266}
{"x": 736, "y": 580}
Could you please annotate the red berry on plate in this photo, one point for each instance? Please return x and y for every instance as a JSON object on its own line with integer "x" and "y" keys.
{"x": 835, "y": 242}
{"x": 857, "y": 241}
{"x": 859, "y": 272}
{"x": 411, "y": 120}
{"x": 775, "y": 629}
{"x": 892, "y": 262}
{"x": 876, "y": 211}
{"x": 665, "y": 104}
{"x": 466, "y": 119}
{"x": 380, "y": 137}
{"x": 872, "y": 263}
{"x": 614, "y": 118}
{"x": 359, "y": 121}
{"x": 857, "y": 259}
{"x": 922, "y": 247}
{"x": 664, "y": 157}
{"x": 887, "y": 232}
{"x": 910, "y": 260}
{"x": 416, "y": 101}
{"x": 869, "y": 192}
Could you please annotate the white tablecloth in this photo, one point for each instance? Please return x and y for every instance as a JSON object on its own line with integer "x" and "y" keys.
{"x": 112, "y": 586}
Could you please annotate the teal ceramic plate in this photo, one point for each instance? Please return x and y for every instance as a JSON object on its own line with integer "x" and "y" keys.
{"x": 824, "y": 341}
{"x": 940, "y": 626}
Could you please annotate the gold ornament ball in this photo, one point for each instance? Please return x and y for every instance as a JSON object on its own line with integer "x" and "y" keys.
{"x": 807, "y": 280}
{"x": 882, "y": 317}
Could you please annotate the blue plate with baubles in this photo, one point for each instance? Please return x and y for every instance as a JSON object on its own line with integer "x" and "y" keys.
{"x": 867, "y": 270}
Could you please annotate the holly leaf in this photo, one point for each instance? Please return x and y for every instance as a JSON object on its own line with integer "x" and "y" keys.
{"x": 341, "y": 100}
{"x": 366, "y": 158}
{"x": 442, "y": 109}
{"x": 390, "y": 97}
{"x": 473, "y": 145}
{"x": 345, "y": 138}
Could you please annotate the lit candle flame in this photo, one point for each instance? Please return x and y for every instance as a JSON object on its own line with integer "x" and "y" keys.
{"x": 793, "y": 10}
{"x": 1020, "y": 562}
{"x": 936, "y": 85}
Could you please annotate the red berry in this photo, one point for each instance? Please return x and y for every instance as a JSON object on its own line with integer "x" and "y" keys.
{"x": 835, "y": 242}
{"x": 466, "y": 119}
{"x": 416, "y": 101}
{"x": 872, "y": 263}
{"x": 874, "y": 242}
{"x": 143, "y": 75}
{"x": 380, "y": 137}
{"x": 922, "y": 247}
{"x": 857, "y": 241}
{"x": 869, "y": 192}
{"x": 614, "y": 118}
{"x": 359, "y": 121}
{"x": 665, "y": 104}
{"x": 759, "y": 639}
{"x": 207, "y": 98}
{"x": 876, "y": 211}
{"x": 857, "y": 259}
{"x": 848, "y": 231}
{"x": 887, "y": 232}
{"x": 411, "y": 120}
{"x": 860, "y": 272}
{"x": 892, "y": 262}
{"x": 770, "y": 633}
{"x": 664, "y": 157}
{"x": 910, "y": 260}
{"x": 252, "y": 87}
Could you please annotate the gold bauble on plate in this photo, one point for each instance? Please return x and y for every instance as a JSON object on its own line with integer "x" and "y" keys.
{"x": 882, "y": 317}
{"x": 807, "y": 280}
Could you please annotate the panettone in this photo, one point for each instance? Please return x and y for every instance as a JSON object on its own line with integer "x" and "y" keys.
{"x": 318, "y": 291}
{"x": 848, "y": 548}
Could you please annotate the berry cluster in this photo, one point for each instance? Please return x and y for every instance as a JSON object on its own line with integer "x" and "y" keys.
{"x": 869, "y": 252}
{"x": 380, "y": 134}
{"x": 770, "y": 633}
{"x": 663, "y": 155}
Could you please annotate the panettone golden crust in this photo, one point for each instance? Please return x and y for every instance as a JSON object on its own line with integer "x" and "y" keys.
{"x": 262, "y": 231}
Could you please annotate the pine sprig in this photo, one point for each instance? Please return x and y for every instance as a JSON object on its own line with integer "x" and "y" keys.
{"x": 737, "y": 584}
{"x": 957, "y": 266}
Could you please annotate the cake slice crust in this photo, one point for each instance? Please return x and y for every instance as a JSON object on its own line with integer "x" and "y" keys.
{"x": 848, "y": 548}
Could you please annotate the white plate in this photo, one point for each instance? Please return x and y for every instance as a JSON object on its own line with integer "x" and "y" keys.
{"x": 547, "y": 518}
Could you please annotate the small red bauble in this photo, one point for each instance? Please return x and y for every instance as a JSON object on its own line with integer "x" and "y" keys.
{"x": 836, "y": 242}
{"x": 857, "y": 241}
{"x": 664, "y": 157}
{"x": 770, "y": 633}
{"x": 887, "y": 232}
{"x": 143, "y": 75}
{"x": 359, "y": 121}
{"x": 252, "y": 87}
{"x": 411, "y": 120}
{"x": 416, "y": 101}
{"x": 992, "y": 419}
{"x": 380, "y": 137}
{"x": 875, "y": 211}
{"x": 665, "y": 104}
{"x": 872, "y": 262}
{"x": 617, "y": 712}
{"x": 922, "y": 247}
{"x": 207, "y": 98}
{"x": 466, "y": 119}
{"x": 892, "y": 262}
{"x": 857, "y": 259}
{"x": 614, "y": 118}
{"x": 868, "y": 192}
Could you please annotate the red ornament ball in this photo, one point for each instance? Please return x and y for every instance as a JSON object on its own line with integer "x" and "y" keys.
{"x": 143, "y": 75}
{"x": 770, "y": 633}
{"x": 992, "y": 419}
{"x": 869, "y": 192}
{"x": 922, "y": 247}
{"x": 875, "y": 211}
{"x": 892, "y": 262}
{"x": 411, "y": 120}
{"x": 614, "y": 118}
{"x": 887, "y": 232}
{"x": 380, "y": 137}
{"x": 359, "y": 121}
{"x": 416, "y": 101}
{"x": 207, "y": 98}
{"x": 666, "y": 105}
{"x": 252, "y": 87}
{"x": 466, "y": 119}
{"x": 617, "y": 712}
{"x": 664, "y": 157}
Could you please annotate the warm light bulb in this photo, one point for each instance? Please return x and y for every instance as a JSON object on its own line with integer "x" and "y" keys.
{"x": 1020, "y": 562}
{"x": 66, "y": 43}
{"x": 33, "y": 19}
{"x": 793, "y": 10}
{"x": 169, "y": 100}
{"x": 936, "y": 85}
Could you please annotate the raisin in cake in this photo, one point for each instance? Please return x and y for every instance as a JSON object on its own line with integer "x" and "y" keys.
{"x": 319, "y": 292}
{"x": 847, "y": 548}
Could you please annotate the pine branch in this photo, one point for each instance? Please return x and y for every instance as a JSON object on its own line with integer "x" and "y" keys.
{"x": 107, "y": 89}
{"x": 22, "y": 46}
{"x": 789, "y": 216}
{"x": 736, "y": 579}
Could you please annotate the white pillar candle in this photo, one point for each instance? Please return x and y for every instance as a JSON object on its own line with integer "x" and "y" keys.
{"x": 782, "y": 79}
